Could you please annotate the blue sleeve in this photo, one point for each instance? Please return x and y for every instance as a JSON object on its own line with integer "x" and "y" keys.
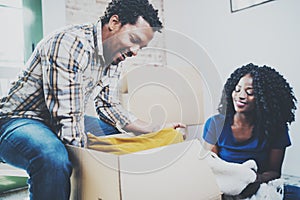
{"x": 209, "y": 132}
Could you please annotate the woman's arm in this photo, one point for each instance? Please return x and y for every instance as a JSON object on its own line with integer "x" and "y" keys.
{"x": 274, "y": 171}
{"x": 275, "y": 163}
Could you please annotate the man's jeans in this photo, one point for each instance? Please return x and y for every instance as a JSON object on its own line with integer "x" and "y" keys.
{"x": 98, "y": 127}
{"x": 31, "y": 145}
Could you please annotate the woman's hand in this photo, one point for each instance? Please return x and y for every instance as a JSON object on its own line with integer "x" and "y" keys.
{"x": 250, "y": 190}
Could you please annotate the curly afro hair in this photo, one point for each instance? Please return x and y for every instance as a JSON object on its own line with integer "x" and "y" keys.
{"x": 275, "y": 103}
{"x": 130, "y": 10}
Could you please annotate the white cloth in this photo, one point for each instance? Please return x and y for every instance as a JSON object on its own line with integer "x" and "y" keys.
{"x": 232, "y": 178}
{"x": 273, "y": 190}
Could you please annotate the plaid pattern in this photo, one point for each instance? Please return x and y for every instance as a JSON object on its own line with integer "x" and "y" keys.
{"x": 64, "y": 72}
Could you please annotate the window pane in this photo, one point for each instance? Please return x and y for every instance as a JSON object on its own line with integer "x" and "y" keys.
{"x": 11, "y": 3}
{"x": 12, "y": 34}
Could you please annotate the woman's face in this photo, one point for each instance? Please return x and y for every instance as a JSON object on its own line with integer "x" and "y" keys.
{"x": 243, "y": 96}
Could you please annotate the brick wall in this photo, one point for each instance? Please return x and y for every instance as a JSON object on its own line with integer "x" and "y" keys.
{"x": 85, "y": 11}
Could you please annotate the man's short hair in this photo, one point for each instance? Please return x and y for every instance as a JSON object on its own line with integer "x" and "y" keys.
{"x": 130, "y": 10}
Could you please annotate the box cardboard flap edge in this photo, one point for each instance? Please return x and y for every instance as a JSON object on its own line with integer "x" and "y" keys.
{"x": 171, "y": 172}
{"x": 157, "y": 94}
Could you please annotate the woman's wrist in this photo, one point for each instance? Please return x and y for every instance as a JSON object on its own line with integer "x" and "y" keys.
{"x": 259, "y": 178}
{"x": 267, "y": 176}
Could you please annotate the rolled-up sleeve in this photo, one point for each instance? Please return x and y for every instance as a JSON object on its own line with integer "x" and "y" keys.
{"x": 209, "y": 132}
{"x": 107, "y": 102}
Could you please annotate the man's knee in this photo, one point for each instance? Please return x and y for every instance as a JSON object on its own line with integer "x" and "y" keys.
{"x": 53, "y": 159}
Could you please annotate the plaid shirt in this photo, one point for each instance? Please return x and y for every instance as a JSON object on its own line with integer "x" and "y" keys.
{"x": 60, "y": 77}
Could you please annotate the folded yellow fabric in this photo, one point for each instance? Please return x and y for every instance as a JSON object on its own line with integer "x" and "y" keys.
{"x": 124, "y": 145}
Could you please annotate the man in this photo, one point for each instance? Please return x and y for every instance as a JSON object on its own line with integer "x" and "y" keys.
{"x": 46, "y": 105}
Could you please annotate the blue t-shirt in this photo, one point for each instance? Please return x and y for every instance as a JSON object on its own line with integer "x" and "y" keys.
{"x": 217, "y": 132}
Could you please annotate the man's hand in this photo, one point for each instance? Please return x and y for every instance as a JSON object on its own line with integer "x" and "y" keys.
{"x": 175, "y": 125}
{"x": 140, "y": 127}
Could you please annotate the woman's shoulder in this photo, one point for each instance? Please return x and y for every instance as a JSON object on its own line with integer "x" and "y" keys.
{"x": 217, "y": 118}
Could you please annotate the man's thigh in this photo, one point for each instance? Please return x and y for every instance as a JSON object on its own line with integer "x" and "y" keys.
{"x": 23, "y": 139}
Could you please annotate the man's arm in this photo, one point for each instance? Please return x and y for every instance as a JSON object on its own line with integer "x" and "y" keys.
{"x": 110, "y": 109}
{"x": 140, "y": 127}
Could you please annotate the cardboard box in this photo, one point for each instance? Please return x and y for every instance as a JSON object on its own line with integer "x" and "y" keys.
{"x": 174, "y": 172}
{"x": 164, "y": 94}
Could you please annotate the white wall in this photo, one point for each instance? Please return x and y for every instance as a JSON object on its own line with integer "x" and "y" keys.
{"x": 266, "y": 34}
{"x": 54, "y": 15}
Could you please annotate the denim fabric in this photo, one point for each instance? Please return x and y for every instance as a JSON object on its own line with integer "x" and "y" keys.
{"x": 97, "y": 127}
{"x": 291, "y": 192}
{"x": 29, "y": 144}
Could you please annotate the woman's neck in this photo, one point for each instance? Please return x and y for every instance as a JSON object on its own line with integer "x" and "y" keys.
{"x": 242, "y": 126}
{"x": 244, "y": 119}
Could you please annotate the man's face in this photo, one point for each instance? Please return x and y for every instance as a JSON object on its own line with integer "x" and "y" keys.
{"x": 126, "y": 40}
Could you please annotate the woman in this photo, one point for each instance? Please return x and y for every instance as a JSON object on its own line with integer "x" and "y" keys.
{"x": 255, "y": 109}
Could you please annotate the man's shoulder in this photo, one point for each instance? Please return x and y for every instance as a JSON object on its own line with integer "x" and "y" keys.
{"x": 73, "y": 31}
{"x": 82, "y": 34}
